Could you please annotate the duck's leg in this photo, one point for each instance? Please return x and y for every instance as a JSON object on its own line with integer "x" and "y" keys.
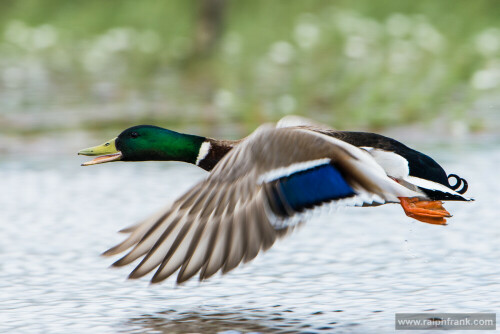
{"x": 431, "y": 212}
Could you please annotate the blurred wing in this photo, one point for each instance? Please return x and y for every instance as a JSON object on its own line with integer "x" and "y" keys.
{"x": 296, "y": 121}
{"x": 254, "y": 194}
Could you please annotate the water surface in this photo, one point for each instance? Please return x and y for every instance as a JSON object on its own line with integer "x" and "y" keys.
{"x": 348, "y": 272}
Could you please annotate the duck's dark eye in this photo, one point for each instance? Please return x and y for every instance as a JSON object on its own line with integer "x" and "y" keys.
{"x": 134, "y": 135}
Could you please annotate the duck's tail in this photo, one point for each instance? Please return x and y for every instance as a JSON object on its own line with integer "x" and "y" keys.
{"x": 460, "y": 185}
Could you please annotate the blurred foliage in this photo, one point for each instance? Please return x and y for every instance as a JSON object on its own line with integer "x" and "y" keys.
{"x": 358, "y": 63}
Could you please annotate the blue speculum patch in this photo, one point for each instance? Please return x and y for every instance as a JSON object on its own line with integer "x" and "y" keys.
{"x": 314, "y": 186}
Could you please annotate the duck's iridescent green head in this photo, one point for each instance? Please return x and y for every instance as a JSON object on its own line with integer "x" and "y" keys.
{"x": 146, "y": 142}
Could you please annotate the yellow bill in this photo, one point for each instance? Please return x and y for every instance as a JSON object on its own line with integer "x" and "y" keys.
{"x": 106, "y": 152}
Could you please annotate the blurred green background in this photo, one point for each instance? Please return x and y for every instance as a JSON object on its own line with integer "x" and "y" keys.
{"x": 215, "y": 67}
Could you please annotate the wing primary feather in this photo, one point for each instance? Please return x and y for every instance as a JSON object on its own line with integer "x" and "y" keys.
{"x": 229, "y": 241}
{"x": 267, "y": 233}
{"x": 213, "y": 200}
{"x": 186, "y": 201}
{"x": 147, "y": 241}
{"x": 198, "y": 203}
{"x": 176, "y": 254}
{"x": 223, "y": 203}
{"x": 154, "y": 257}
{"x": 242, "y": 228}
{"x": 210, "y": 247}
{"x": 253, "y": 242}
{"x": 137, "y": 232}
{"x": 216, "y": 259}
{"x": 197, "y": 254}
{"x": 131, "y": 228}
{"x": 236, "y": 247}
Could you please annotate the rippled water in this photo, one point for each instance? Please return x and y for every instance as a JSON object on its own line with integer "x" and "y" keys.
{"x": 349, "y": 272}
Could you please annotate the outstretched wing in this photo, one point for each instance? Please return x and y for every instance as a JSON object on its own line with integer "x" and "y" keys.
{"x": 251, "y": 198}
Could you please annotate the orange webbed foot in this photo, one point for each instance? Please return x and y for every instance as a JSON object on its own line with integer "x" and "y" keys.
{"x": 430, "y": 212}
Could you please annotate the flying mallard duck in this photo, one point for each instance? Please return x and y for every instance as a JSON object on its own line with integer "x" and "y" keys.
{"x": 261, "y": 187}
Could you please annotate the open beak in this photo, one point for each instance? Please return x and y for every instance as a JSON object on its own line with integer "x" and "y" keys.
{"x": 106, "y": 152}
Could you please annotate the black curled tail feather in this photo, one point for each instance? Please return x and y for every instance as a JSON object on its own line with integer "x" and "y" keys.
{"x": 460, "y": 185}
